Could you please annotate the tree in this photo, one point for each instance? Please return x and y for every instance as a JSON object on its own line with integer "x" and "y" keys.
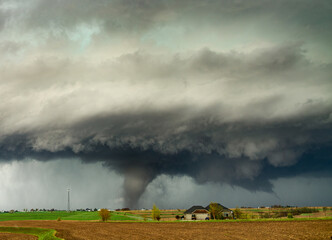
{"x": 215, "y": 210}
{"x": 155, "y": 213}
{"x": 237, "y": 213}
{"x": 105, "y": 214}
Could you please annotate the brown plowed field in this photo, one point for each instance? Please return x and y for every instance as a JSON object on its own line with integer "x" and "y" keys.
{"x": 185, "y": 230}
{"x": 16, "y": 236}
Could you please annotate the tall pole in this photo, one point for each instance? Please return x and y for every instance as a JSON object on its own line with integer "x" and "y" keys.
{"x": 68, "y": 204}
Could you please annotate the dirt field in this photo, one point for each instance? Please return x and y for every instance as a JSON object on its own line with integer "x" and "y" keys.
{"x": 70, "y": 230}
{"x": 15, "y": 236}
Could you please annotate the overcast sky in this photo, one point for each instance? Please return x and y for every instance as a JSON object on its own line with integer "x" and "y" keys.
{"x": 131, "y": 103}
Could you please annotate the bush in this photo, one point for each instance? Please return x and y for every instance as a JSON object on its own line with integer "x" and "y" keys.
{"x": 104, "y": 214}
{"x": 177, "y": 217}
{"x": 266, "y": 215}
{"x": 289, "y": 215}
{"x": 59, "y": 219}
{"x": 158, "y": 218}
{"x": 280, "y": 214}
{"x": 238, "y": 213}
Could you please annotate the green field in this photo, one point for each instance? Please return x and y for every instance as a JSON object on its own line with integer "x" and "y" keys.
{"x": 41, "y": 233}
{"x": 82, "y": 216}
{"x": 133, "y": 215}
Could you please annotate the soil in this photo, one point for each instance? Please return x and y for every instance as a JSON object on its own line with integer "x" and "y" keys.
{"x": 16, "y": 236}
{"x": 75, "y": 230}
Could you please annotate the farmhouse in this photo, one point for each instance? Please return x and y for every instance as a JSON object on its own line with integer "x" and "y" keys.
{"x": 196, "y": 213}
{"x": 202, "y": 213}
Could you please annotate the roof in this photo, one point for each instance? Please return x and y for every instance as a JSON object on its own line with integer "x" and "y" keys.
{"x": 201, "y": 211}
{"x": 194, "y": 208}
{"x": 223, "y": 207}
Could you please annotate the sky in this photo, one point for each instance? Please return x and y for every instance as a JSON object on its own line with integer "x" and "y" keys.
{"x": 177, "y": 103}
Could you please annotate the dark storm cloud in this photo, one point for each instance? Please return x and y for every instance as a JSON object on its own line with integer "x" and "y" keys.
{"x": 243, "y": 117}
{"x": 143, "y": 151}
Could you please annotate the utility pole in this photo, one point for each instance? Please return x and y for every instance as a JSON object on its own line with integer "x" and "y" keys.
{"x": 68, "y": 204}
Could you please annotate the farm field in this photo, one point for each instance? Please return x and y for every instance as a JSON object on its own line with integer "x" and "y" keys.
{"x": 145, "y": 215}
{"x": 165, "y": 215}
{"x": 27, "y": 233}
{"x": 259, "y": 213}
{"x": 76, "y": 215}
{"x": 247, "y": 213}
{"x": 142, "y": 215}
{"x": 78, "y": 230}
{"x": 16, "y": 236}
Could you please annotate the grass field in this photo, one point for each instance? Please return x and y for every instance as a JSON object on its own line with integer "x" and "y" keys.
{"x": 81, "y": 216}
{"x": 41, "y": 233}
